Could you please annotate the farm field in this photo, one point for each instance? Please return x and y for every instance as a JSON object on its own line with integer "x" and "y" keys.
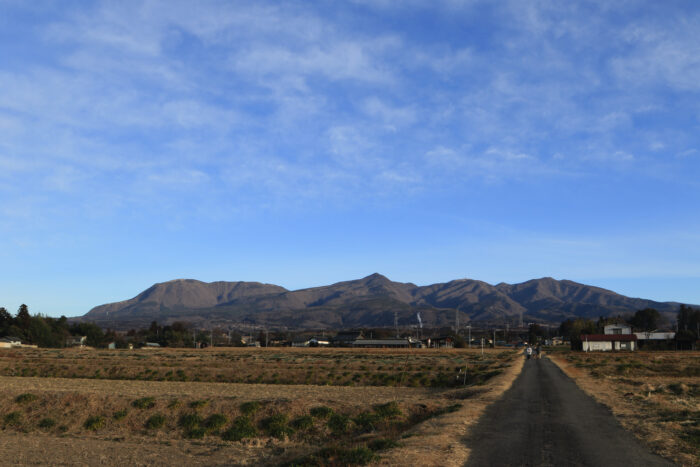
{"x": 298, "y": 406}
{"x": 315, "y": 366}
{"x": 655, "y": 395}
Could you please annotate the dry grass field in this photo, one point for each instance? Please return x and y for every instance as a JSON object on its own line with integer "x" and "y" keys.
{"x": 236, "y": 406}
{"x": 317, "y": 366}
{"x": 656, "y": 395}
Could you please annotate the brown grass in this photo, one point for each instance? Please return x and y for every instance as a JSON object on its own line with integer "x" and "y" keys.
{"x": 130, "y": 439}
{"x": 327, "y": 367}
{"x": 655, "y": 395}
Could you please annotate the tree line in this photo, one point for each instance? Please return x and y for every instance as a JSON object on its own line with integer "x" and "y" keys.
{"x": 45, "y": 331}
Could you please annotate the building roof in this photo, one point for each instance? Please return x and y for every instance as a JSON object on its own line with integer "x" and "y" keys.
{"x": 659, "y": 335}
{"x": 381, "y": 342}
{"x": 10, "y": 339}
{"x": 608, "y": 337}
{"x": 348, "y": 335}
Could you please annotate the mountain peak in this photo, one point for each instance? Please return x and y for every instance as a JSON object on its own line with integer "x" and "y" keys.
{"x": 376, "y": 277}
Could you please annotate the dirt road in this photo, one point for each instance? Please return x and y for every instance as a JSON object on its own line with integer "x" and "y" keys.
{"x": 544, "y": 419}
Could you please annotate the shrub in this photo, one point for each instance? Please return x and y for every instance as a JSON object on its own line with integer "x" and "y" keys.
{"x": 195, "y": 433}
{"x": 304, "y": 422}
{"x": 249, "y": 408}
{"x": 368, "y": 420}
{"x": 120, "y": 414}
{"x": 338, "y": 423}
{"x": 94, "y": 422}
{"x": 357, "y": 456}
{"x": 24, "y": 398}
{"x": 173, "y": 404}
{"x": 155, "y": 421}
{"x": 47, "y": 423}
{"x": 382, "y": 444}
{"x": 190, "y": 421}
{"x": 198, "y": 404}
{"x": 388, "y": 410}
{"x": 241, "y": 428}
{"x": 144, "y": 403}
{"x": 215, "y": 422}
{"x": 321, "y": 412}
{"x": 277, "y": 426}
{"x": 13, "y": 418}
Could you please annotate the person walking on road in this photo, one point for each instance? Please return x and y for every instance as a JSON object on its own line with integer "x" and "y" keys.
{"x": 537, "y": 352}
{"x": 528, "y": 352}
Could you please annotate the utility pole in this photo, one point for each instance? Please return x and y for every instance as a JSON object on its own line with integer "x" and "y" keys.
{"x": 494, "y": 338}
{"x": 470, "y": 335}
{"x": 396, "y": 323}
{"x": 457, "y": 322}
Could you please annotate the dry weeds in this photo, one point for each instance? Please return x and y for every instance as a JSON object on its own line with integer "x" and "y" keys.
{"x": 95, "y": 421}
{"x": 329, "y": 367}
{"x": 655, "y": 395}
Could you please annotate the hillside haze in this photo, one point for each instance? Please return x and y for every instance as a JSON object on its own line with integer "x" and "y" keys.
{"x": 370, "y": 301}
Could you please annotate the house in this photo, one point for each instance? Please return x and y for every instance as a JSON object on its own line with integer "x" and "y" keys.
{"x": 10, "y": 342}
{"x": 611, "y": 329}
{"x": 311, "y": 342}
{"x": 444, "y": 342}
{"x": 558, "y": 340}
{"x": 346, "y": 338}
{"x": 76, "y": 341}
{"x": 656, "y": 335}
{"x": 657, "y": 340}
{"x": 279, "y": 342}
{"x": 301, "y": 342}
{"x": 608, "y": 342}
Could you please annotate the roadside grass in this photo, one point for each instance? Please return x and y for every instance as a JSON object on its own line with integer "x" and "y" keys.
{"x": 657, "y": 394}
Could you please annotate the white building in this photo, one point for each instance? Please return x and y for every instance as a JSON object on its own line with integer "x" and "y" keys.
{"x": 655, "y": 336}
{"x": 617, "y": 329}
{"x": 608, "y": 342}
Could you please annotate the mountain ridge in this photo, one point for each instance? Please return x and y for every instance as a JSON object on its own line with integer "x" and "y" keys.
{"x": 370, "y": 301}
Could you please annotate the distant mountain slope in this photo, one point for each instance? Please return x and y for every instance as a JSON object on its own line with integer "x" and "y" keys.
{"x": 370, "y": 301}
{"x": 186, "y": 294}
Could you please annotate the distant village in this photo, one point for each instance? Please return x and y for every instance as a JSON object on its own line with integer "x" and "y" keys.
{"x": 639, "y": 332}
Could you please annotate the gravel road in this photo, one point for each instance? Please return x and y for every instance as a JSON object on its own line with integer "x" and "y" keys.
{"x": 544, "y": 419}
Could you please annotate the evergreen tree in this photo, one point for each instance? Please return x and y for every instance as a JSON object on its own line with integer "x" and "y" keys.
{"x": 646, "y": 320}
{"x": 23, "y": 317}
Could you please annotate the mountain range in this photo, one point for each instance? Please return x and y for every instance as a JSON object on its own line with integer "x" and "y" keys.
{"x": 372, "y": 301}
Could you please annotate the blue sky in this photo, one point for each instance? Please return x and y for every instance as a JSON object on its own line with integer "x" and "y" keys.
{"x": 303, "y": 143}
